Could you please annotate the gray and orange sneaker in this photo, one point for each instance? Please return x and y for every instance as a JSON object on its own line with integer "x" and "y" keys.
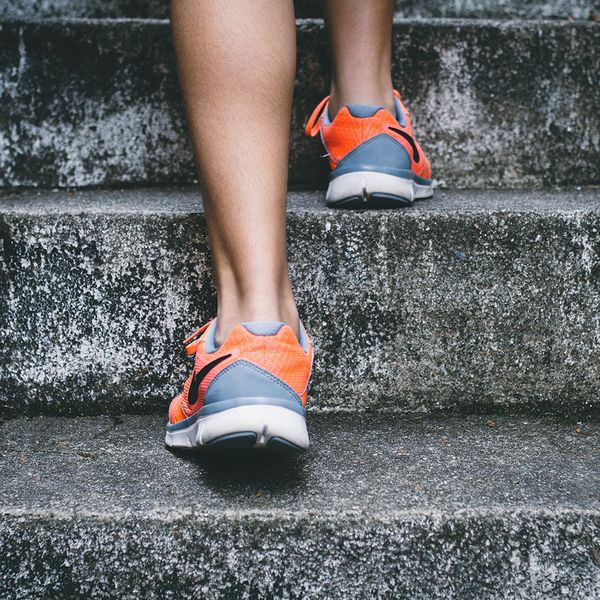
{"x": 249, "y": 392}
{"x": 375, "y": 159}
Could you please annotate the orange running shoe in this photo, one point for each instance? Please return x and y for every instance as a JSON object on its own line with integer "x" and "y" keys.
{"x": 374, "y": 158}
{"x": 249, "y": 392}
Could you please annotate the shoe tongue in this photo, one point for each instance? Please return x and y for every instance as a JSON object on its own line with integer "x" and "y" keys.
{"x": 363, "y": 110}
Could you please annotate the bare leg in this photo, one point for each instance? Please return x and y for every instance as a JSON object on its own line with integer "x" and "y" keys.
{"x": 236, "y": 62}
{"x": 360, "y": 38}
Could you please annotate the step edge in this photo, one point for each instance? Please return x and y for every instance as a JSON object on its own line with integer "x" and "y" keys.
{"x": 452, "y": 513}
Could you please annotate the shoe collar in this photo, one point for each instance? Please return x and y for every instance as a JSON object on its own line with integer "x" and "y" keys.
{"x": 363, "y": 111}
{"x": 259, "y": 328}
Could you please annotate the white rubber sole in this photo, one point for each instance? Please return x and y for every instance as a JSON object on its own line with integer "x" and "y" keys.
{"x": 271, "y": 426}
{"x": 364, "y": 186}
{"x": 422, "y": 192}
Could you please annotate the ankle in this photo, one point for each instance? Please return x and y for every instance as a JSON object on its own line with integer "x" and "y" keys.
{"x": 233, "y": 311}
{"x": 374, "y": 93}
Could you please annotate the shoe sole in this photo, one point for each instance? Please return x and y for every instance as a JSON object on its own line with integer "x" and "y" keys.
{"x": 369, "y": 189}
{"x": 257, "y": 426}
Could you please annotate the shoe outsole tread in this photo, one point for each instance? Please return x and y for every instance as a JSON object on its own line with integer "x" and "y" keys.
{"x": 372, "y": 201}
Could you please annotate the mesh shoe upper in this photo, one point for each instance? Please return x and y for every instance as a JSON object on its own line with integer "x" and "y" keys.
{"x": 350, "y": 129}
{"x": 274, "y": 355}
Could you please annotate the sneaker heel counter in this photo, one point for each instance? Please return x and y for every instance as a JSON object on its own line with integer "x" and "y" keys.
{"x": 243, "y": 379}
{"x": 380, "y": 153}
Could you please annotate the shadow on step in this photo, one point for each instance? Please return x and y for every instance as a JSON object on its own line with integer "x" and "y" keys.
{"x": 247, "y": 471}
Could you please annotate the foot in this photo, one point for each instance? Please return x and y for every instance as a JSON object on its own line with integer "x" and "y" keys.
{"x": 374, "y": 158}
{"x": 250, "y": 392}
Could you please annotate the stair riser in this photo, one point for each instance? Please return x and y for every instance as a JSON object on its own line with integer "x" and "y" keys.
{"x": 538, "y": 555}
{"x": 87, "y": 103}
{"x": 417, "y": 311}
{"x": 159, "y": 9}
{"x": 528, "y": 9}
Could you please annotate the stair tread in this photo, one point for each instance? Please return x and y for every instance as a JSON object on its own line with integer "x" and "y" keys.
{"x": 514, "y": 21}
{"x": 430, "y": 8}
{"x": 96, "y": 507}
{"x": 382, "y": 466}
{"x": 172, "y": 200}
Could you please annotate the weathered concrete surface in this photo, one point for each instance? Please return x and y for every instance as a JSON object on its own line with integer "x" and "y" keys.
{"x": 525, "y": 9}
{"x": 473, "y": 301}
{"x": 159, "y": 9}
{"x": 528, "y": 9}
{"x": 378, "y": 508}
{"x": 93, "y": 9}
{"x": 495, "y": 103}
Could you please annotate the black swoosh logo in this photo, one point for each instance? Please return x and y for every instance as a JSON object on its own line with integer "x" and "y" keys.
{"x": 410, "y": 140}
{"x": 200, "y": 375}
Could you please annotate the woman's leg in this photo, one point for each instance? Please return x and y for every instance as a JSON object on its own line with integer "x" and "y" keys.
{"x": 360, "y": 39}
{"x": 236, "y": 61}
{"x": 373, "y": 155}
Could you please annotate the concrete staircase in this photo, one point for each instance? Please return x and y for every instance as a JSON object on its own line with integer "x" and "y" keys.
{"x": 454, "y": 407}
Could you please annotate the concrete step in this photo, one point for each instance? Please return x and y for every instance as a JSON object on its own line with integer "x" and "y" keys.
{"x": 474, "y": 301}
{"x": 524, "y": 9}
{"x": 159, "y": 9}
{"x": 477, "y": 9}
{"x": 452, "y": 509}
{"x": 86, "y": 103}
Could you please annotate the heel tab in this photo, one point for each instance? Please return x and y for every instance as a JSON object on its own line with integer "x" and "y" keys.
{"x": 264, "y": 328}
{"x": 401, "y": 110}
{"x": 303, "y": 338}
{"x": 270, "y": 328}
{"x": 364, "y": 111}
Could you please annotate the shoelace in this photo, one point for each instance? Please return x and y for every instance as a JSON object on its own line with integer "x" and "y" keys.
{"x": 312, "y": 126}
{"x": 193, "y": 341}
